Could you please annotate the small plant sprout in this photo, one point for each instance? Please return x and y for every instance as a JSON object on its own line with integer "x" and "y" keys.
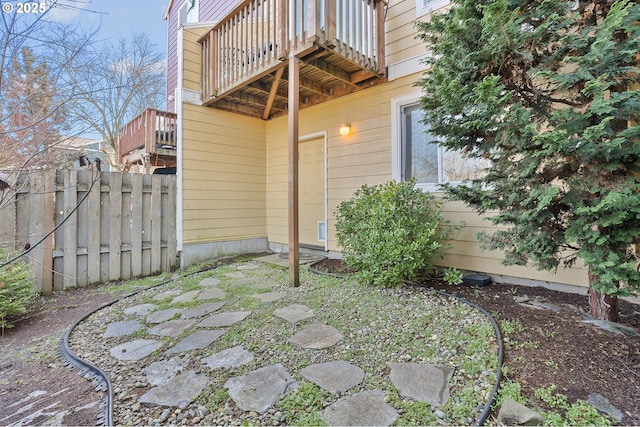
{"x": 453, "y": 276}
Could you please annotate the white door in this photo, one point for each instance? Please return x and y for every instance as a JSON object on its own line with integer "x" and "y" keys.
{"x": 311, "y": 190}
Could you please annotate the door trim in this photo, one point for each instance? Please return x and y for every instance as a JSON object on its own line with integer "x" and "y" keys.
{"x": 323, "y": 135}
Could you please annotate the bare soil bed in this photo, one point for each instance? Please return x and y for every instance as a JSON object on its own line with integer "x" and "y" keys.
{"x": 35, "y": 386}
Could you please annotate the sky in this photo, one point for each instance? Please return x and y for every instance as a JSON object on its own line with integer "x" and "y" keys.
{"x": 116, "y": 18}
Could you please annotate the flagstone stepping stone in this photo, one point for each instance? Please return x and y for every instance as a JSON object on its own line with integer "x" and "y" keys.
{"x": 603, "y": 404}
{"x": 171, "y": 328}
{"x": 274, "y": 259}
{"x": 264, "y": 285}
{"x": 244, "y": 267}
{"x": 541, "y": 306}
{"x": 159, "y": 373}
{"x": 167, "y": 294}
{"x": 197, "y": 340}
{"x": 163, "y": 315}
{"x": 121, "y": 329}
{"x": 178, "y": 392}
{"x": 235, "y": 275}
{"x": 422, "y": 382}
{"x": 617, "y": 328}
{"x": 282, "y": 259}
{"x": 209, "y": 282}
{"x": 335, "y": 377}
{"x": 135, "y": 350}
{"x": 186, "y": 297}
{"x": 513, "y": 413}
{"x": 261, "y": 272}
{"x": 202, "y": 309}
{"x": 245, "y": 281}
{"x": 234, "y": 356}
{"x": 140, "y": 310}
{"x": 294, "y": 313}
{"x": 259, "y": 389}
{"x": 212, "y": 293}
{"x": 268, "y": 297}
{"x": 221, "y": 320}
{"x": 317, "y": 336}
{"x": 366, "y": 408}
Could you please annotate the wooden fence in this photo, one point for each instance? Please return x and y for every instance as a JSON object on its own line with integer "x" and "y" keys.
{"x": 108, "y": 225}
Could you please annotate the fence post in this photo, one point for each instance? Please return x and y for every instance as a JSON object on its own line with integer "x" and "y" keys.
{"x": 115, "y": 225}
{"x": 41, "y": 211}
{"x": 156, "y": 225}
{"x": 136, "y": 225}
{"x": 94, "y": 238}
{"x": 70, "y": 247}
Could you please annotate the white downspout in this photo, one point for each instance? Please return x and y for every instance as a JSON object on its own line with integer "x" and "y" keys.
{"x": 178, "y": 110}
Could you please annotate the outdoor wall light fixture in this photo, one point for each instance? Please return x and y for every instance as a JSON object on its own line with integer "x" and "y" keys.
{"x": 345, "y": 129}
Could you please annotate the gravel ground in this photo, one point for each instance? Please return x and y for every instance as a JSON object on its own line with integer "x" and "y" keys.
{"x": 379, "y": 325}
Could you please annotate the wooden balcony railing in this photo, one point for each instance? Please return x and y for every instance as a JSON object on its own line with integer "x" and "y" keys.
{"x": 255, "y": 39}
{"x": 154, "y": 131}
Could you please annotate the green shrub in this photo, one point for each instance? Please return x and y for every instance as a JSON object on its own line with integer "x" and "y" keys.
{"x": 391, "y": 233}
{"x": 15, "y": 291}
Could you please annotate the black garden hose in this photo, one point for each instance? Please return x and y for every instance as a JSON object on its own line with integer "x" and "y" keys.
{"x": 492, "y": 397}
{"x": 99, "y": 379}
{"x": 88, "y": 370}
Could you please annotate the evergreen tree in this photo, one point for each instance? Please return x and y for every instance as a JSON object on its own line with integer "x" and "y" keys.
{"x": 31, "y": 117}
{"x": 548, "y": 92}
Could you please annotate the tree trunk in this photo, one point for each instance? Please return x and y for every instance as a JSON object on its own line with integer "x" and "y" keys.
{"x": 603, "y": 306}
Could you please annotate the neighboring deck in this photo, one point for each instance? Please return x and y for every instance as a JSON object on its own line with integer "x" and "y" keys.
{"x": 149, "y": 140}
{"x": 340, "y": 45}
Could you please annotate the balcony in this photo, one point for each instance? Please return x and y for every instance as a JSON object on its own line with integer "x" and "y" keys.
{"x": 149, "y": 140}
{"x": 340, "y": 45}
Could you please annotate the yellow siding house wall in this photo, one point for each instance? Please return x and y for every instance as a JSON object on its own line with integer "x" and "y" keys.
{"x": 223, "y": 169}
{"x": 235, "y": 172}
{"x": 365, "y": 157}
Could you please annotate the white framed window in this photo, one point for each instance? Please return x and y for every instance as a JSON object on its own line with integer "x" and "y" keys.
{"x": 417, "y": 154}
{"x": 189, "y": 11}
{"x": 427, "y": 6}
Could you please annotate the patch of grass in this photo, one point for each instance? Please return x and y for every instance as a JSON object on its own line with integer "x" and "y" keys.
{"x": 462, "y": 408}
{"x": 303, "y": 404}
{"x": 44, "y": 348}
{"x": 578, "y": 413}
{"x": 134, "y": 285}
{"x": 415, "y": 414}
{"x": 512, "y": 390}
{"x": 239, "y": 334}
{"x": 379, "y": 325}
{"x": 213, "y": 397}
{"x": 511, "y": 327}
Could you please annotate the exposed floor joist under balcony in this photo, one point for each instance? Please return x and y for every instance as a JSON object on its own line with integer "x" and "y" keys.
{"x": 245, "y": 57}
{"x": 322, "y": 78}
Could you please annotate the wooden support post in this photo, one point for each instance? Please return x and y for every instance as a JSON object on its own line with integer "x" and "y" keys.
{"x": 294, "y": 100}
